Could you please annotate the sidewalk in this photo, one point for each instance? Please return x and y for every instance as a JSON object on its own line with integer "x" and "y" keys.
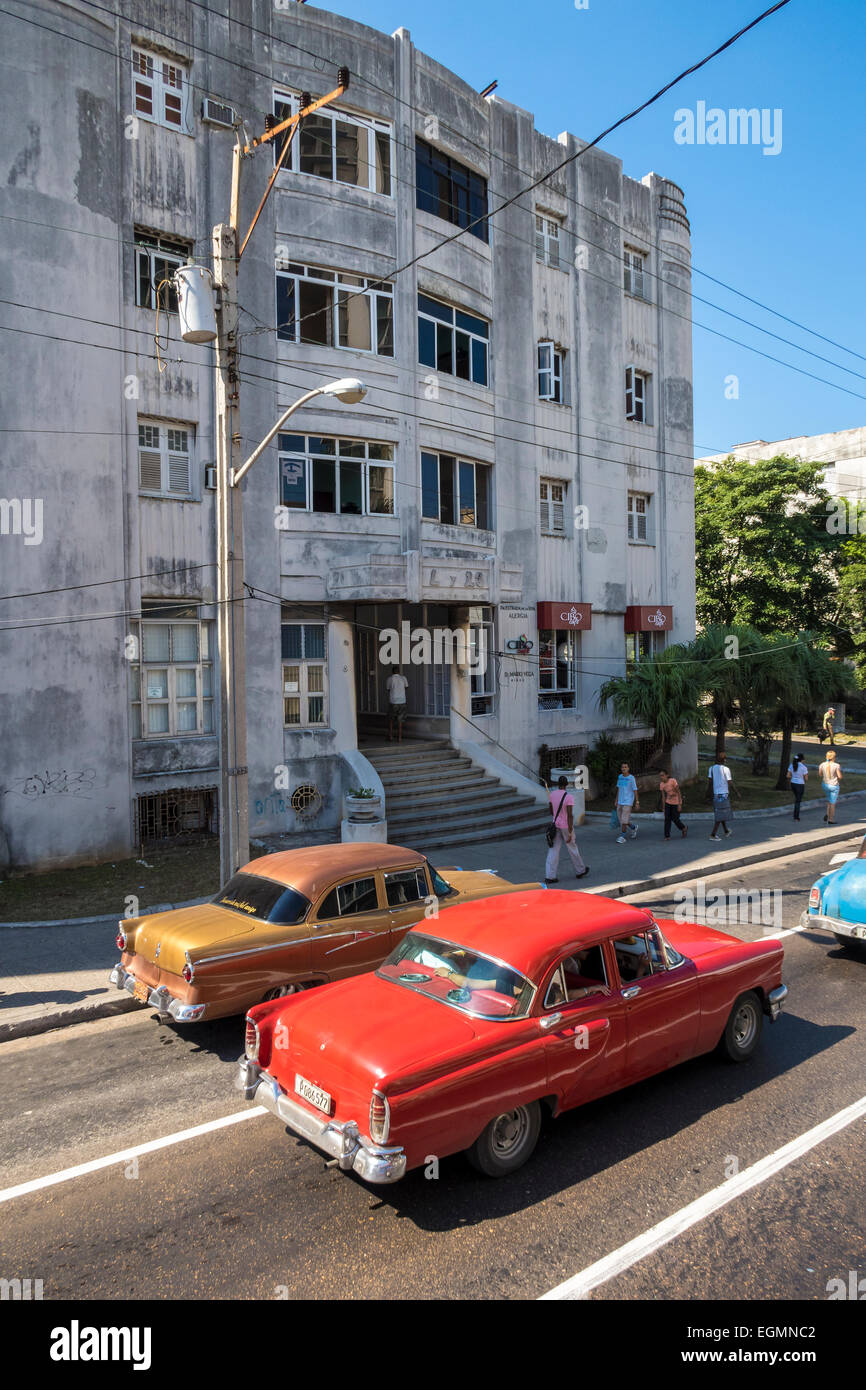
{"x": 51, "y": 976}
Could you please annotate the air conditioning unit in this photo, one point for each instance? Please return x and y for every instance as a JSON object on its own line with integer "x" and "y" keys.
{"x": 210, "y": 477}
{"x": 217, "y": 113}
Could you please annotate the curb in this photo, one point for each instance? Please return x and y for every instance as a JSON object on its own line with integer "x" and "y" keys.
{"x": 63, "y": 1018}
{"x": 107, "y": 917}
{"x": 754, "y": 855}
{"x": 815, "y": 805}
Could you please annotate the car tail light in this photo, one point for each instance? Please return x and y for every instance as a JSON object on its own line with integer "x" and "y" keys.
{"x": 251, "y": 1040}
{"x": 815, "y": 897}
{"x": 380, "y": 1118}
{"x": 120, "y": 939}
{"x": 188, "y": 971}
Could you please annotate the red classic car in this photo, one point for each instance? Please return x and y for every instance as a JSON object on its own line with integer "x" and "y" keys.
{"x": 535, "y": 999}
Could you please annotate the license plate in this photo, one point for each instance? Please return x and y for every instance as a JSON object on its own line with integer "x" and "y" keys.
{"x": 141, "y": 991}
{"x": 314, "y": 1095}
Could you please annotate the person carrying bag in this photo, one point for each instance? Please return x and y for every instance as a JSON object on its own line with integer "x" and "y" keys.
{"x": 561, "y": 832}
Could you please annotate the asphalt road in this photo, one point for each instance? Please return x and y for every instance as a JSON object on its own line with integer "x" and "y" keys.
{"x": 248, "y": 1212}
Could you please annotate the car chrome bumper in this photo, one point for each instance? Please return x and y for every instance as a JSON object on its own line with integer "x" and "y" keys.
{"x": 158, "y": 998}
{"x": 342, "y": 1142}
{"x": 775, "y": 1000}
{"x": 855, "y": 930}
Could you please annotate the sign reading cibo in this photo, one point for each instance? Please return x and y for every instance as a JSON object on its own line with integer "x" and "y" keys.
{"x": 562, "y": 614}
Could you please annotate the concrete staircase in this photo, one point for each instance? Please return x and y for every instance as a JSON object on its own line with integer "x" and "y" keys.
{"x": 435, "y": 797}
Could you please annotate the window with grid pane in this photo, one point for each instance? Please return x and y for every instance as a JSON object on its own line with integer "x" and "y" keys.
{"x": 165, "y": 458}
{"x": 160, "y": 89}
{"x": 305, "y": 675}
{"x": 156, "y": 260}
{"x": 638, "y": 516}
{"x": 634, "y": 266}
{"x": 552, "y": 493}
{"x": 338, "y": 145}
{"x": 172, "y": 681}
{"x": 637, "y": 396}
{"x": 547, "y": 240}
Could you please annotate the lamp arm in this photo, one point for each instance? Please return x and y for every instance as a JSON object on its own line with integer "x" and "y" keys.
{"x": 236, "y": 476}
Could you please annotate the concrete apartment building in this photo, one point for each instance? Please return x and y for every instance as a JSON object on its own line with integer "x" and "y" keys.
{"x": 519, "y": 471}
{"x": 843, "y": 453}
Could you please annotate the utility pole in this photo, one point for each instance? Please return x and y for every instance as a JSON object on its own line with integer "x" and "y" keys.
{"x": 234, "y": 785}
{"x": 234, "y": 793}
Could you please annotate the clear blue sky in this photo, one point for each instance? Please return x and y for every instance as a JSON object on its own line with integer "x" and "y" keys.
{"x": 786, "y": 229}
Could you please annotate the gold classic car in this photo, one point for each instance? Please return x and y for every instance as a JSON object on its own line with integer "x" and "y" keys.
{"x": 286, "y": 922}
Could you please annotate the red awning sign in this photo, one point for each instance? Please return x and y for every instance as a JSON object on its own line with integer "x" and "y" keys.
{"x": 564, "y": 614}
{"x": 657, "y": 617}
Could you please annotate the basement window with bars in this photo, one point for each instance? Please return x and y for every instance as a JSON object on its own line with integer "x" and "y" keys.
{"x": 552, "y": 495}
{"x": 165, "y": 458}
{"x": 172, "y": 680}
{"x": 305, "y": 675}
{"x": 181, "y": 813}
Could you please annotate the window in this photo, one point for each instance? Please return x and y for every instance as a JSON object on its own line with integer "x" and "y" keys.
{"x": 452, "y": 341}
{"x": 305, "y": 675}
{"x": 552, "y": 495}
{"x": 639, "y": 956}
{"x": 172, "y": 682}
{"x": 577, "y": 976}
{"x": 456, "y": 491}
{"x": 405, "y": 886}
{"x": 638, "y": 516}
{"x": 481, "y": 664}
{"x": 338, "y": 146}
{"x": 634, "y": 267}
{"x": 333, "y": 309}
{"x": 160, "y": 89}
{"x": 350, "y": 477}
{"x": 550, "y": 358}
{"x": 450, "y": 190}
{"x": 642, "y": 646}
{"x": 164, "y": 458}
{"x": 156, "y": 260}
{"x": 347, "y": 899}
{"x": 557, "y": 668}
{"x": 637, "y": 396}
{"x": 547, "y": 240}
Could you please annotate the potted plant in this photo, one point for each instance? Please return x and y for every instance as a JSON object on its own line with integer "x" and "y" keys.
{"x": 363, "y": 803}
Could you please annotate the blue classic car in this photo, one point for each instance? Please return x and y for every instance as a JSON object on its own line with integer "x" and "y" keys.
{"x": 837, "y": 902}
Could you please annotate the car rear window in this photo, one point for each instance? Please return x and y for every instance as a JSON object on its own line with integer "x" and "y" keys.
{"x": 261, "y": 898}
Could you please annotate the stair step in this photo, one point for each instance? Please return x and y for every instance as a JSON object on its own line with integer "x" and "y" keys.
{"x": 467, "y": 817}
{"x": 453, "y": 773}
{"x": 446, "y": 839}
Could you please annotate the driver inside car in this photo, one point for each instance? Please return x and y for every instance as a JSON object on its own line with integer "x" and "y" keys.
{"x": 478, "y": 977}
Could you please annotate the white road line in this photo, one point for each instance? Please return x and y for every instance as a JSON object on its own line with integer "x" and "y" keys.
{"x": 125, "y": 1155}
{"x": 579, "y": 1285}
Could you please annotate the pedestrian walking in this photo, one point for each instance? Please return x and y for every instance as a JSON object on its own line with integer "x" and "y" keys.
{"x": 672, "y": 799}
{"x": 797, "y": 774}
{"x": 831, "y": 775}
{"x": 562, "y": 828}
{"x": 720, "y": 785}
{"x": 627, "y": 800}
{"x": 828, "y": 726}
{"x": 396, "y": 685}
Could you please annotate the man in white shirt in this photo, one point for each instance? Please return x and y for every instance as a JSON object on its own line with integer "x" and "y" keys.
{"x": 396, "y": 685}
{"x": 721, "y": 784}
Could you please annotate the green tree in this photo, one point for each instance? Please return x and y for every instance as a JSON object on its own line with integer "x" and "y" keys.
{"x": 764, "y": 554}
{"x": 665, "y": 694}
{"x": 816, "y": 680}
{"x": 723, "y": 654}
{"x": 851, "y": 640}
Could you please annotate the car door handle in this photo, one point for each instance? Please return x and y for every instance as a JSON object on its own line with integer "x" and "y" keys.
{"x": 550, "y": 1020}
{"x": 630, "y": 993}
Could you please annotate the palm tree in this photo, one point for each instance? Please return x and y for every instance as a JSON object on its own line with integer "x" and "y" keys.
{"x": 719, "y": 651}
{"x": 816, "y": 678}
{"x": 664, "y": 694}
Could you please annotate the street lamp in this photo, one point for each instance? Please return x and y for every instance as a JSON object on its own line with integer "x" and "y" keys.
{"x": 234, "y": 787}
{"x": 347, "y": 389}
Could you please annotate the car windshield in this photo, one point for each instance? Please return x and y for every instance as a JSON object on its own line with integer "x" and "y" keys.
{"x": 440, "y": 887}
{"x": 263, "y": 899}
{"x": 461, "y": 978}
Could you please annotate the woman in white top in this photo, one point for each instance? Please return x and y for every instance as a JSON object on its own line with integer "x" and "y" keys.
{"x": 797, "y": 774}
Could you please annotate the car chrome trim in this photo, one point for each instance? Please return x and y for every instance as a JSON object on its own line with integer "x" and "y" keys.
{"x": 378, "y": 1163}
{"x": 836, "y": 925}
{"x": 254, "y": 950}
{"x": 775, "y": 1000}
{"x": 631, "y": 992}
{"x": 550, "y": 1020}
{"x": 158, "y": 998}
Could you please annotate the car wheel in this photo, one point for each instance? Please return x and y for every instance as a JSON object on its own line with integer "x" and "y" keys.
{"x": 743, "y": 1029}
{"x": 848, "y": 943}
{"x": 507, "y": 1142}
